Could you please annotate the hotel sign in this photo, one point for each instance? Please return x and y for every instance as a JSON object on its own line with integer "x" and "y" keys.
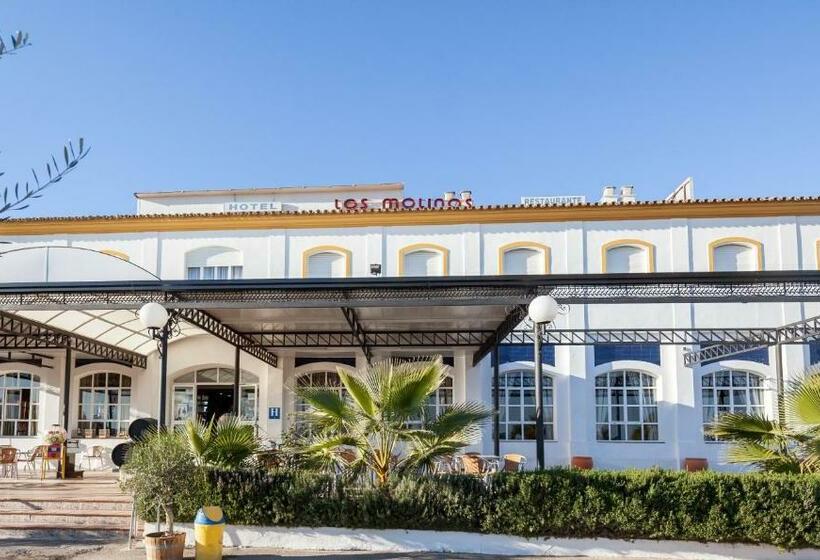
{"x": 402, "y": 203}
{"x": 252, "y": 206}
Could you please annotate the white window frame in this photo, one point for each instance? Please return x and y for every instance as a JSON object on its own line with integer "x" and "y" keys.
{"x": 710, "y": 394}
{"x": 106, "y": 420}
{"x": 521, "y": 408}
{"x": 614, "y": 412}
{"x": 10, "y": 383}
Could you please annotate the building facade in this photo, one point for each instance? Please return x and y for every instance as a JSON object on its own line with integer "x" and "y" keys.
{"x": 624, "y": 406}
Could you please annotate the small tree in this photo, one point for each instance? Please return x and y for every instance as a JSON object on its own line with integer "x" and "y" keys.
{"x": 376, "y": 420}
{"x": 226, "y": 444}
{"x": 161, "y": 471}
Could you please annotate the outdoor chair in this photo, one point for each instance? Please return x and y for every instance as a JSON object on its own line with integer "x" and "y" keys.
{"x": 36, "y": 453}
{"x": 95, "y": 453}
{"x": 514, "y": 462}
{"x": 473, "y": 464}
{"x": 8, "y": 462}
{"x": 445, "y": 465}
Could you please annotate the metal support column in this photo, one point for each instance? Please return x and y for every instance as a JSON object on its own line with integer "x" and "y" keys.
{"x": 539, "y": 396}
{"x": 781, "y": 401}
{"x": 69, "y": 365}
{"x": 236, "y": 382}
{"x": 163, "y": 374}
{"x": 496, "y": 403}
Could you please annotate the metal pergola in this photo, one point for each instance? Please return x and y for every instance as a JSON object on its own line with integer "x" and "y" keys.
{"x": 262, "y": 316}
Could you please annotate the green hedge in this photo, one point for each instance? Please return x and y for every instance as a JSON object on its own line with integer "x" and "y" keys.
{"x": 783, "y": 510}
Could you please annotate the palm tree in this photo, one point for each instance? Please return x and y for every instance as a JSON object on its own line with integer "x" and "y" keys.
{"x": 771, "y": 445}
{"x": 224, "y": 444}
{"x": 373, "y": 426}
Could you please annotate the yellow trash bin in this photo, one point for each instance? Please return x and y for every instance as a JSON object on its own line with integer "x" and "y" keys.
{"x": 208, "y": 528}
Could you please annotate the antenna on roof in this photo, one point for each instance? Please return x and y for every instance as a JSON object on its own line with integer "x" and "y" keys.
{"x": 683, "y": 192}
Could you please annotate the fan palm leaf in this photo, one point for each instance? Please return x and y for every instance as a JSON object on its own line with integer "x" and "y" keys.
{"x": 773, "y": 446}
{"x": 376, "y": 420}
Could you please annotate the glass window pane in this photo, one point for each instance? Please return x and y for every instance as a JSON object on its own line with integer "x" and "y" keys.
{"x": 226, "y": 375}
{"x": 207, "y": 376}
{"x": 707, "y": 397}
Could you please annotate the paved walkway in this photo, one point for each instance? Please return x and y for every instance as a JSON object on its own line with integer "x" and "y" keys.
{"x": 50, "y": 550}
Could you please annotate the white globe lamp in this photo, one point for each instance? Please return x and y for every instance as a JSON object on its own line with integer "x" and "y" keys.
{"x": 153, "y": 316}
{"x": 543, "y": 309}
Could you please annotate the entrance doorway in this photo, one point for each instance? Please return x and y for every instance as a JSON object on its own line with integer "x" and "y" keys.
{"x": 208, "y": 393}
{"x": 212, "y": 401}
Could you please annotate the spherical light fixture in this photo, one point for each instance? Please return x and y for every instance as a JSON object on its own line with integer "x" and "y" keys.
{"x": 153, "y": 316}
{"x": 543, "y": 309}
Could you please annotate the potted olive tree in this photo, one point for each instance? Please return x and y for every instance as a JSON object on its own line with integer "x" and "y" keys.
{"x": 159, "y": 471}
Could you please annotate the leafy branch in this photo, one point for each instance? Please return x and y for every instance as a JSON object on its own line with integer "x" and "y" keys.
{"x": 19, "y": 40}
{"x": 19, "y": 197}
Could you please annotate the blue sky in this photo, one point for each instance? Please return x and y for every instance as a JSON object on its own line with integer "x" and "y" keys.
{"x": 505, "y": 98}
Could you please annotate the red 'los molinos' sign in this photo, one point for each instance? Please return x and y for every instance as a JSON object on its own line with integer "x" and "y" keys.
{"x": 402, "y": 203}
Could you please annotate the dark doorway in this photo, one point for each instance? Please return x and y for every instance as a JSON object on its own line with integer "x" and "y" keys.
{"x": 212, "y": 401}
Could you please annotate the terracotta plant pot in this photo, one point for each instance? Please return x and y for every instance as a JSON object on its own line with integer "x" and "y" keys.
{"x": 162, "y": 546}
{"x": 693, "y": 464}
{"x": 584, "y": 463}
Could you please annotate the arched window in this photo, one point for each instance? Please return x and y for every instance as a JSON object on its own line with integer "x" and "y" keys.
{"x": 730, "y": 391}
{"x": 213, "y": 263}
{"x": 626, "y": 406}
{"x": 733, "y": 254}
{"x": 208, "y": 393}
{"x": 524, "y": 258}
{"x": 19, "y": 404}
{"x": 516, "y": 397}
{"x": 105, "y": 405}
{"x": 424, "y": 259}
{"x": 628, "y": 255}
{"x": 326, "y": 262}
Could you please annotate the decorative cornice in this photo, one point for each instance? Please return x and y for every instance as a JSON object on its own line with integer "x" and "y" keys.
{"x": 729, "y": 208}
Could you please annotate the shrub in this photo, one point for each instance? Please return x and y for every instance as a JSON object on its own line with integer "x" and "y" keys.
{"x": 161, "y": 473}
{"x": 777, "y": 509}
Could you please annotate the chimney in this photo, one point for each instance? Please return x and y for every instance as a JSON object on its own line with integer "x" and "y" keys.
{"x": 609, "y": 196}
{"x": 627, "y": 194}
{"x": 449, "y": 195}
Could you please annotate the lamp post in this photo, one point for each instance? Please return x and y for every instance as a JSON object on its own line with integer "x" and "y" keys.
{"x": 542, "y": 310}
{"x": 154, "y": 318}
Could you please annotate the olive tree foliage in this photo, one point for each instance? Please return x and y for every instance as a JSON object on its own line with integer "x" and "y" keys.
{"x": 18, "y": 195}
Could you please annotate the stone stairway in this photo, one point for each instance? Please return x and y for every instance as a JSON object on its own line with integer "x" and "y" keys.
{"x": 93, "y": 507}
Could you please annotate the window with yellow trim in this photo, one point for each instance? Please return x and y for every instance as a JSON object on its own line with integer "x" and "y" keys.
{"x": 524, "y": 259}
{"x": 326, "y": 264}
{"x": 628, "y": 258}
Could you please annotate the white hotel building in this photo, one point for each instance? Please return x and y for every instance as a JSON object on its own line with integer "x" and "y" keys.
{"x": 621, "y": 404}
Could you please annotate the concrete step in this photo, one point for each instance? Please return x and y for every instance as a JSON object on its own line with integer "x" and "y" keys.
{"x": 66, "y": 518}
{"x": 9, "y": 504}
{"x": 60, "y": 532}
